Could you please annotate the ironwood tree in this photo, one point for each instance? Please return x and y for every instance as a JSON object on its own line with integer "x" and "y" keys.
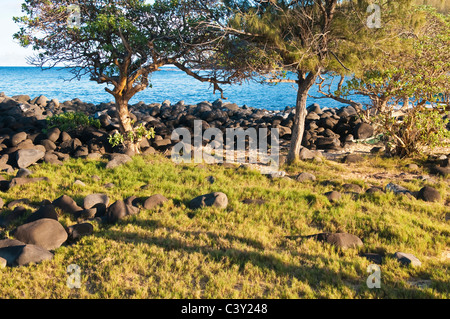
{"x": 306, "y": 38}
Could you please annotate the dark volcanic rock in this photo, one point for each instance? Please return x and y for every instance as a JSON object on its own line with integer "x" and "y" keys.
{"x": 94, "y": 199}
{"x": 119, "y": 210}
{"x": 17, "y": 253}
{"x": 75, "y": 232}
{"x": 429, "y": 194}
{"x": 363, "y": 131}
{"x": 67, "y": 204}
{"x": 45, "y": 211}
{"x": 154, "y": 201}
{"x": 217, "y": 199}
{"x": 46, "y": 233}
{"x": 27, "y": 157}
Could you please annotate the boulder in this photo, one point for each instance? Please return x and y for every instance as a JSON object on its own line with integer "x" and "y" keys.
{"x": 305, "y": 177}
{"x": 407, "y": 259}
{"x": 45, "y": 211}
{"x": 67, "y": 204}
{"x": 117, "y": 160}
{"x": 333, "y": 196}
{"x": 154, "y": 201}
{"x": 75, "y": 232}
{"x": 46, "y": 233}
{"x": 429, "y": 194}
{"x": 363, "y": 131}
{"x": 353, "y": 158}
{"x": 28, "y": 157}
{"x": 94, "y": 199}
{"x": 344, "y": 240}
{"x": 53, "y": 134}
{"x": 18, "y": 138}
{"x": 17, "y": 253}
{"x": 217, "y": 199}
{"x": 119, "y": 210}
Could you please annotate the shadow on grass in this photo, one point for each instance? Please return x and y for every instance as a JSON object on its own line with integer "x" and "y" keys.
{"x": 317, "y": 277}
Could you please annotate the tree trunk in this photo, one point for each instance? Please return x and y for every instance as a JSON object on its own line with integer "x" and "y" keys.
{"x": 125, "y": 124}
{"x": 304, "y": 85}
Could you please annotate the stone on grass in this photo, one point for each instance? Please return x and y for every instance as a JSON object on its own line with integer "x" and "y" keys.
{"x": 28, "y": 157}
{"x": 45, "y": 211}
{"x": 353, "y": 158}
{"x": 333, "y": 196}
{"x": 17, "y": 253}
{"x": 154, "y": 201}
{"x": 18, "y": 181}
{"x": 75, "y": 232}
{"x": 429, "y": 194}
{"x": 305, "y": 177}
{"x": 94, "y": 199}
{"x": 407, "y": 259}
{"x": 217, "y": 199}
{"x": 67, "y": 204}
{"x": 119, "y": 210}
{"x": 23, "y": 172}
{"x": 344, "y": 240}
{"x": 117, "y": 160}
{"x": 352, "y": 188}
{"x": 46, "y": 233}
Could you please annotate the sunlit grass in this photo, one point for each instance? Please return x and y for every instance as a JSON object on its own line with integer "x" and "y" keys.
{"x": 241, "y": 251}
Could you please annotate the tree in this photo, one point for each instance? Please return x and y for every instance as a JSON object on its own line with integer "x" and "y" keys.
{"x": 418, "y": 78}
{"x": 307, "y": 38}
{"x": 120, "y": 43}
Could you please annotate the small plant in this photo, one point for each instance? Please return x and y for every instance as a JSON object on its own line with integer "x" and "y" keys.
{"x": 132, "y": 137}
{"x": 70, "y": 121}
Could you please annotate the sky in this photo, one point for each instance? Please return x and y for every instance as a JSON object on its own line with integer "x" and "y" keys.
{"x": 11, "y": 53}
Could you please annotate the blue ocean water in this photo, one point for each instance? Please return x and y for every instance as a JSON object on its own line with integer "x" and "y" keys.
{"x": 167, "y": 84}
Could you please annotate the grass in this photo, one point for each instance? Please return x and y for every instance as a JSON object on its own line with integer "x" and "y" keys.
{"x": 242, "y": 251}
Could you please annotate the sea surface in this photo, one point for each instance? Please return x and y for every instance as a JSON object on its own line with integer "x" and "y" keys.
{"x": 167, "y": 84}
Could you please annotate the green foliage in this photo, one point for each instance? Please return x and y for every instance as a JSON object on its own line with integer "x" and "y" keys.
{"x": 70, "y": 121}
{"x": 134, "y": 136}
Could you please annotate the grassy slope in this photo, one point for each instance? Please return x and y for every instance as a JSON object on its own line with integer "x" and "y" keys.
{"x": 240, "y": 252}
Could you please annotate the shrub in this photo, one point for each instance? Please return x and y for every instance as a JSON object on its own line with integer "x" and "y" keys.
{"x": 71, "y": 121}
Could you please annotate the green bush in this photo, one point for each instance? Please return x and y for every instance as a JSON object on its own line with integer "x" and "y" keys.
{"x": 72, "y": 121}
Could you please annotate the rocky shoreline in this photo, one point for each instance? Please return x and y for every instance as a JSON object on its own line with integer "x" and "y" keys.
{"x": 26, "y": 140}
{"x": 23, "y": 123}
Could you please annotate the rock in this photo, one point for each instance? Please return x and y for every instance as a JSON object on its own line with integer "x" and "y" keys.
{"x": 333, "y": 196}
{"x": 352, "y": 188}
{"x": 46, "y": 233}
{"x": 45, "y": 211}
{"x": 353, "y": 158}
{"x": 3, "y": 262}
{"x": 17, "y": 253}
{"x": 375, "y": 258}
{"x": 305, "y": 177}
{"x": 1, "y": 203}
{"x": 28, "y": 157}
{"x": 377, "y": 150}
{"x": 41, "y": 100}
{"x": 407, "y": 259}
{"x": 344, "y": 240}
{"x": 413, "y": 167}
{"x": 117, "y": 160}
{"x": 441, "y": 171}
{"x": 67, "y": 204}
{"x": 397, "y": 189}
{"x": 53, "y": 134}
{"x": 340, "y": 240}
{"x": 18, "y": 181}
{"x": 429, "y": 194}
{"x": 52, "y": 158}
{"x": 374, "y": 189}
{"x": 49, "y": 145}
{"x": 79, "y": 183}
{"x": 94, "y": 199}
{"x": 119, "y": 210}
{"x": 23, "y": 172}
{"x": 363, "y": 131}
{"x": 75, "y": 232}
{"x": 18, "y": 138}
{"x": 217, "y": 199}
{"x": 155, "y": 200}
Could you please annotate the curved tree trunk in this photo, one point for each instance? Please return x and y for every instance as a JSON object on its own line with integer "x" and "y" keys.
{"x": 304, "y": 85}
{"x": 125, "y": 123}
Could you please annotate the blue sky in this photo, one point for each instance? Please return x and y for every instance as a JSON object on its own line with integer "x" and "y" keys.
{"x": 11, "y": 53}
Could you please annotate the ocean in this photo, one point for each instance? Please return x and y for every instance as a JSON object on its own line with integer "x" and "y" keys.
{"x": 167, "y": 84}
